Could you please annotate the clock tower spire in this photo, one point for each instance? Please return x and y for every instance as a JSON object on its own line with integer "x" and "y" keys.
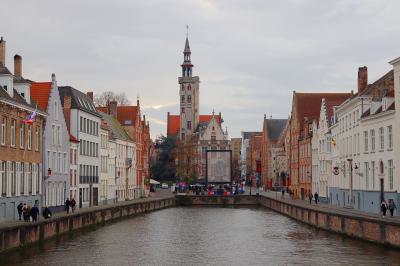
{"x": 189, "y": 95}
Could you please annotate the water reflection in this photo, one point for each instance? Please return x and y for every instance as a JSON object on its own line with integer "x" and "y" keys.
{"x": 204, "y": 236}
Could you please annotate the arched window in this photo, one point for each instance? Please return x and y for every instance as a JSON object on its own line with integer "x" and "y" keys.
{"x": 189, "y": 99}
{"x": 183, "y": 98}
{"x": 381, "y": 168}
{"x": 189, "y": 87}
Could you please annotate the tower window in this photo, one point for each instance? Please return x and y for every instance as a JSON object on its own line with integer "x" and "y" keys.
{"x": 182, "y": 110}
{"x": 183, "y": 98}
{"x": 189, "y": 125}
{"x": 189, "y": 87}
{"x": 183, "y": 136}
{"x": 189, "y": 99}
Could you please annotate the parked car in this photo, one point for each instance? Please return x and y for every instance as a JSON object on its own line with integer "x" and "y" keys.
{"x": 164, "y": 185}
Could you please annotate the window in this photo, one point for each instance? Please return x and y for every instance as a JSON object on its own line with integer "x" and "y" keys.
{"x": 189, "y": 125}
{"x": 381, "y": 138}
{"x": 54, "y": 160}
{"x": 3, "y": 130}
{"x": 81, "y": 123}
{"x": 182, "y": 98}
{"x": 13, "y": 178}
{"x": 366, "y": 172}
{"x": 30, "y": 178}
{"x": 29, "y": 137}
{"x": 373, "y": 173}
{"x": 372, "y": 133}
{"x": 48, "y": 159}
{"x": 182, "y": 110}
{"x": 3, "y": 178}
{"x": 36, "y": 138}
{"x": 12, "y": 138}
{"x": 20, "y": 172}
{"x": 390, "y": 137}
{"x": 56, "y": 109}
{"x": 390, "y": 164}
{"x": 65, "y": 163}
{"x": 59, "y": 169}
{"x": 365, "y": 141}
{"x": 58, "y": 135}
{"x": 189, "y": 99}
{"x": 21, "y": 135}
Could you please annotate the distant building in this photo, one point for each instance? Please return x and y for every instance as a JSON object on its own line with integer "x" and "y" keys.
{"x": 236, "y": 145}
{"x": 245, "y": 155}
{"x": 195, "y": 133}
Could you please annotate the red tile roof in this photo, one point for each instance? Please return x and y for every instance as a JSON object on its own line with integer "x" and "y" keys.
{"x": 174, "y": 122}
{"x": 73, "y": 139}
{"x": 40, "y": 92}
{"x": 309, "y": 104}
{"x": 126, "y": 115}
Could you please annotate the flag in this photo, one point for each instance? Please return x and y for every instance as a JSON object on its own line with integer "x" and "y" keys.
{"x": 30, "y": 118}
{"x": 333, "y": 141}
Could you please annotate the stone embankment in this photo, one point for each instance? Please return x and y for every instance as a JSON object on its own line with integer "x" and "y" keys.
{"x": 22, "y": 234}
{"x": 384, "y": 231}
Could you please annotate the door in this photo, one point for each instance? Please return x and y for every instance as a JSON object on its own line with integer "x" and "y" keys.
{"x": 382, "y": 185}
{"x": 80, "y": 198}
{"x": 95, "y": 196}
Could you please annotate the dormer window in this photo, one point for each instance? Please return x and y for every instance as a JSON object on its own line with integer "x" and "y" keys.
{"x": 5, "y": 87}
{"x": 23, "y": 94}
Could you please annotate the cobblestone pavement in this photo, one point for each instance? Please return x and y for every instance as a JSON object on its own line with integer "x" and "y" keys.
{"x": 159, "y": 194}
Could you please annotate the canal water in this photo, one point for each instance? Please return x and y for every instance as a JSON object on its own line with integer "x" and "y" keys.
{"x": 204, "y": 236}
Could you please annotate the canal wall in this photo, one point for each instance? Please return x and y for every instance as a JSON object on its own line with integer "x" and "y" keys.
{"x": 365, "y": 227}
{"x": 22, "y": 234}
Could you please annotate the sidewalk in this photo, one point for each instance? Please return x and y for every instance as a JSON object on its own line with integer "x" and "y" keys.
{"x": 154, "y": 196}
{"x": 331, "y": 208}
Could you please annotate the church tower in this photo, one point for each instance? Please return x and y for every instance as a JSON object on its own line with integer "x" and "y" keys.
{"x": 189, "y": 96}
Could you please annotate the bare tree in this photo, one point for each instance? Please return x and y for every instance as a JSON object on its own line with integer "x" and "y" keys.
{"x": 104, "y": 98}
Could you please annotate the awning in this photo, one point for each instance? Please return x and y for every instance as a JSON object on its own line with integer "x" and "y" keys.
{"x": 154, "y": 182}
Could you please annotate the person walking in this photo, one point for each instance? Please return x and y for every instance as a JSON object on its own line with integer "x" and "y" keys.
{"x": 34, "y": 213}
{"x": 310, "y": 196}
{"x": 316, "y": 196}
{"x": 67, "y": 204}
{"x": 25, "y": 213}
{"x": 383, "y": 208}
{"x": 283, "y": 193}
{"x": 19, "y": 209}
{"x": 73, "y": 204}
{"x": 46, "y": 213}
{"x": 392, "y": 207}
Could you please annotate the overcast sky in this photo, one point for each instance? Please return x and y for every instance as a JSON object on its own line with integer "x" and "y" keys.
{"x": 249, "y": 55}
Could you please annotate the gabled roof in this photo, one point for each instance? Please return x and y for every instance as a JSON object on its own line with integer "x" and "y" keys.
{"x": 4, "y": 70}
{"x": 79, "y": 100}
{"x": 275, "y": 128}
{"x": 40, "y": 92}
{"x": 126, "y": 115}
{"x": 380, "y": 88}
{"x": 115, "y": 127}
{"x": 309, "y": 104}
{"x": 174, "y": 122}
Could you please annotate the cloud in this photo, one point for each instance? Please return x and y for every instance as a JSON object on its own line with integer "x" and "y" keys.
{"x": 250, "y": 55}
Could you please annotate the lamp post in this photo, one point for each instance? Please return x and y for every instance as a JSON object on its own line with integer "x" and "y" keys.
{"x": 350, "y": 183}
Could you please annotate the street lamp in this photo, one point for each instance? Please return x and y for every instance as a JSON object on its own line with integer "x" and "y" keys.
{"x": 351, "y": 183}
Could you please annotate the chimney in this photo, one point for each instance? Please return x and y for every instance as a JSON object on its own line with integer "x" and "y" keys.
{"x": 2, "y": 52}
{"x": 112, "y": 108}
{"x": 17, "y": 65}
{"x": 362, "y": 79}
{"x": 90, "y": 95}
{"x": 67, "y": 102}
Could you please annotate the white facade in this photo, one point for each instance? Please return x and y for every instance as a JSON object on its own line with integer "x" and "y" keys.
{"x": 56, "y": 152}
{"x": 73, "y": 170}
{"x": 396, "y": 125}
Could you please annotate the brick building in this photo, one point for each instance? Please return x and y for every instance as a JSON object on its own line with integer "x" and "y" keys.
{"x": 305, "y": 109}
{"x": 255, "y": 148}
{"x": 21, "y": 143}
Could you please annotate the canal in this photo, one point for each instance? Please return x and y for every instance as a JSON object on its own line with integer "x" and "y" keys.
{"x": 204, "y": 236}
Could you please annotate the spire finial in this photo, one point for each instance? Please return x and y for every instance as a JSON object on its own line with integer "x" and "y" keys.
{"x": 213, "y": 112}
{"x": 187, "y": 30}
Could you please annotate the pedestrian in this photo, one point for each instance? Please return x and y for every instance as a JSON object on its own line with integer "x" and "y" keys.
{"x": 46, "y": 213}
{"x": 25, "y": 213}
{"x": 73, "y": 204}
{"x": 28, "y": 211}
{"x": 383, "y": 208}
{"x": 316, "y": 196}
{"x": 34, "y": 213}
{"x": 19, "y": 209}
{"x": 392, "y": 207}
{"x": 310, "y": 197}
{"x": 283, "y": 193}
{"x": 67, "y": 204}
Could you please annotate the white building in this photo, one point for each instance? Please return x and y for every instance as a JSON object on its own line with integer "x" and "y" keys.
{"x": 85, "y": 127}
{"x": 118, "y": 160}
{"x": 363, "y": 157}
